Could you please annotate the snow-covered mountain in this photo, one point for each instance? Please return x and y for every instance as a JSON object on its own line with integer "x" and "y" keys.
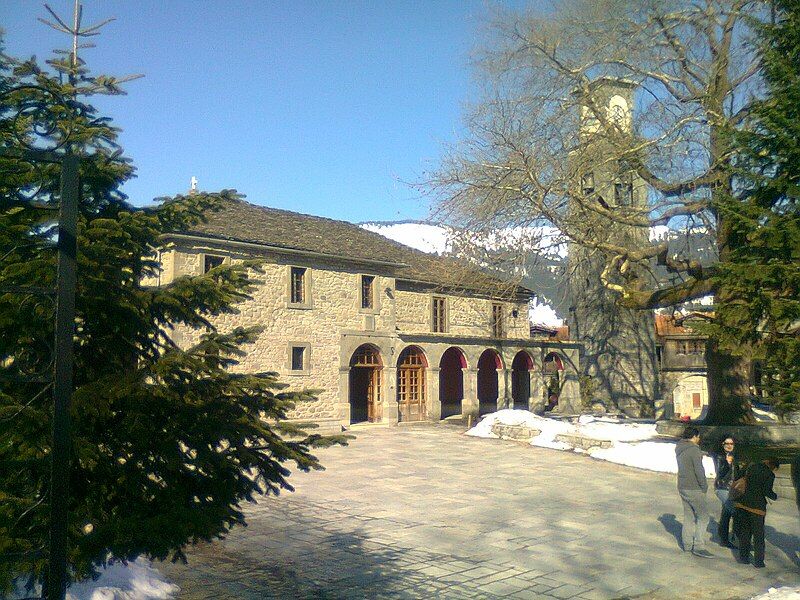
{"x": 538, "y": 255}
{"x": 488, "y": 250}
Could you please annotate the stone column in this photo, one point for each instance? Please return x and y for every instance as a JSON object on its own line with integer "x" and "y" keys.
{"x": 503, "y": 392}
{"x": 536, "y": 400}
{"x": 470, "y": 404}
{"x": 344, "y": 395}
{"x": 434, "y": 403}
{"x": 389, "y": 396}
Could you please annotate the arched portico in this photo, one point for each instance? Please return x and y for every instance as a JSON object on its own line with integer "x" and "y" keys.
{"x": 365, "y": 384}
{"x": 521, "y": 380}
{"x": 451, "y": 381}
{"x": 488, "y": 388}
{"x": 411, "y": 385}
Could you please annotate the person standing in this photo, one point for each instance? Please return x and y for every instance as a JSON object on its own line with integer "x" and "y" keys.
{"x": 692, "y": 487}
{"x": 727, "y": 471}
{"x": 751, "y": 510}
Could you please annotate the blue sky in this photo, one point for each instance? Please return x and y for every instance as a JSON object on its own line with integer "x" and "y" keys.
{"x": 327, "y": 108}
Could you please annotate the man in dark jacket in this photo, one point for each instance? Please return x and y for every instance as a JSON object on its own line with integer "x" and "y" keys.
{"x": 692, "y": 487}
{"x": 751, "y": 510}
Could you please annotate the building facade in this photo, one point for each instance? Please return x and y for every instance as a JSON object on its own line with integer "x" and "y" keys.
{"x": 385, "y": 333}
{"x": 682, "y": 366}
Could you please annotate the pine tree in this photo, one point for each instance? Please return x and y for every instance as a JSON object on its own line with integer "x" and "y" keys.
{"x": 167, "y": 442}
{"x": 763, "y": 272}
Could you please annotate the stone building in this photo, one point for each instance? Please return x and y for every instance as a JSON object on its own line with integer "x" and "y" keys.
{"x": 387, "y": 333}
{"x": 682, "y": 365}
{"x": 619, "y": 343}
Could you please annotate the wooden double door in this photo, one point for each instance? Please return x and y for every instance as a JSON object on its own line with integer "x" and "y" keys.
{"x": 411, "y": 401}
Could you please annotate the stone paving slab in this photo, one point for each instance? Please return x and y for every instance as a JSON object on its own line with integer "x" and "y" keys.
{"x": 425, "y": 512}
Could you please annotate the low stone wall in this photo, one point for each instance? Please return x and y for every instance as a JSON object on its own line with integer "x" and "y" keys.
{"x": 762, "y": 434}
{"x": 582, "y": 442}
{"x": 514, "y": 432}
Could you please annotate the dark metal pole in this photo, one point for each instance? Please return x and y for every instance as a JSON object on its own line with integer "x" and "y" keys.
{"x": 62, "y": 385}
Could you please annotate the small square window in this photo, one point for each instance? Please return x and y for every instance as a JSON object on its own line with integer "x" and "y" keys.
{"x": 298, "y": 285}
{"x": 298, "y": 358}
{"x": 211, "y": 261}
{"x": 367, "y": 291}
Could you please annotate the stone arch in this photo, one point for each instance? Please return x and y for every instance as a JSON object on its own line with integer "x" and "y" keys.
{"x": 553, "y": 378}
{"x": 451, "y": 381}
{"x": 521, "y": 369}
{"x": 365, "y": 384}
{"x": 489, "y": 364}
{"x": 411, "y": 384}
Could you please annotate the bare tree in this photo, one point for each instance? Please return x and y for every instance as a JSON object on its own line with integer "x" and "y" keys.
{"x": 551, "y": 143}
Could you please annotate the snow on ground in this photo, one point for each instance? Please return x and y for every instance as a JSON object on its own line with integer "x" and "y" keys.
{"x": 781, "y": 593}
{"x": 634, "y": 444}
{"x": 134, "y": 581}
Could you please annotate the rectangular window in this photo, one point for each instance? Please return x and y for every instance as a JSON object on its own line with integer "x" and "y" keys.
{"x": 212, "y": 262}
{"x": 367, "y": 291}
{"x": 498, "y": 326}
{"x": 623, "y": 194}
{"x": 587, "y": 183}
{"x": 297, "y": 285}
{"x": 298, "y": 358}
{"x": 439, "y": 315}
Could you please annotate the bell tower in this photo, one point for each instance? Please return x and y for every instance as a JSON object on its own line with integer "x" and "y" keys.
{"x": 619, "y": 343}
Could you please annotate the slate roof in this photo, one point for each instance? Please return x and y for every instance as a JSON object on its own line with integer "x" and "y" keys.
{"x": 241, "y": 221}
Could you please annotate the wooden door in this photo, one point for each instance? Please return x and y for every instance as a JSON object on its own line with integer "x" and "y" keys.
{"x": 411, "y": 386}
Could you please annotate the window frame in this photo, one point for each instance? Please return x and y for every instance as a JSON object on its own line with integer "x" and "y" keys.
{"x": 290, "y": 348}
{"x": 208, "y": 255}
{"x": 440, "y": 324}
{"x": 307, "y": 301}
{"x": 373, "y": 287}
{"x": 497, "y": 320}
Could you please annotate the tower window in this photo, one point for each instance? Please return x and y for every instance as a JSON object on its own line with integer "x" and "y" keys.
{"x": 623, "y": 193}
{"x": 587, "y": 183}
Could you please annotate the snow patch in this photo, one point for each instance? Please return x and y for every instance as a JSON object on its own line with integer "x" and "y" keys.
{"x": 137, "y": 580}
{"x": 781, "y": 593}
{"x": 633, "y": 444}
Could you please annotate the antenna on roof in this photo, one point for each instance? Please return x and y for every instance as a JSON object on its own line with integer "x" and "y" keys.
{"x": 193, "y": 185}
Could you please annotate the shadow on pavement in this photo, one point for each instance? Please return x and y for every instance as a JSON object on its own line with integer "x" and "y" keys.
{"x": 789, "y": 544}
{"x": 672, "y": 526}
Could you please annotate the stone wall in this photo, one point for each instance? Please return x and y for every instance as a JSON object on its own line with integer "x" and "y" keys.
{"x": 467, "y": 316}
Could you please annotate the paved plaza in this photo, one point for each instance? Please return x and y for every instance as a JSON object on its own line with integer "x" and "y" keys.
{"x": 427, "y": 512}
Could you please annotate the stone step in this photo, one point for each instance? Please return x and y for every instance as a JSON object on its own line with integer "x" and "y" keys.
{"x": 514, "y": 432}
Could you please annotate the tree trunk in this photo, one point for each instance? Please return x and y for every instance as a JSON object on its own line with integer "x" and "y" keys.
{"x": 728, "y": 388}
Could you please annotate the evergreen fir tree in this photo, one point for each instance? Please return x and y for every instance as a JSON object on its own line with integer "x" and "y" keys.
{"x": 166, "y": 441}
{"x": 763, "y": 273}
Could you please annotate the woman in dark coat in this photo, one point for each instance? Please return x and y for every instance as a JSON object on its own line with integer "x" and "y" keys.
{"x": 727, "y": 470}
{"x": 751, "y": 510}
